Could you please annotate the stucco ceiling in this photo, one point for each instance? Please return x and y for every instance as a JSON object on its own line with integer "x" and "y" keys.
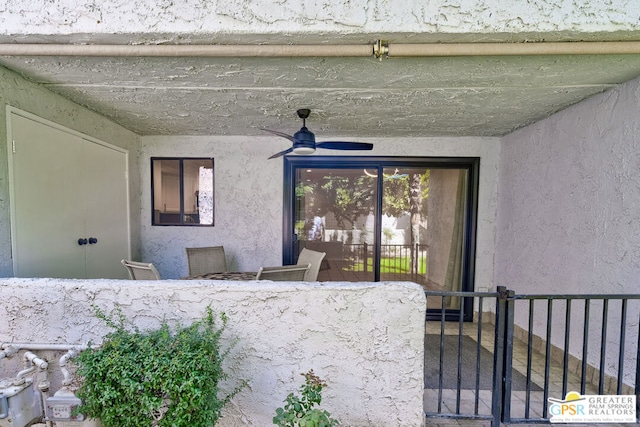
{"x": 349, "y": 97}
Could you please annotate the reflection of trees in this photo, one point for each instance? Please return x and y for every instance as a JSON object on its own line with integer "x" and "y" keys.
{"x": 405, "y": 193}
{"x": 351, "y": 197}
{"x": 347, "y": 197}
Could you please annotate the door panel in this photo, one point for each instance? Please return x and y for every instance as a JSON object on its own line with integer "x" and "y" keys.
{"x": 423, "y": 226}
{"x": 47, "y": 221}
{"x": 403, "y": 224}
{"x": 106, "y": 211}
{"x": 445, "y": 234}
{"x": 335, "y": 211}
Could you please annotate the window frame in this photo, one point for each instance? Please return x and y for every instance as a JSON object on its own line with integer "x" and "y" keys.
{"x": 181, "y": 212}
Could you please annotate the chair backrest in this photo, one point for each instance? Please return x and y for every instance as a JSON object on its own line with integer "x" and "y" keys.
{"x": 206, "y": 260}
{"x": 314, "y": 258}
{"x": 141, "y": 270}
{"x": 285, "y": 273}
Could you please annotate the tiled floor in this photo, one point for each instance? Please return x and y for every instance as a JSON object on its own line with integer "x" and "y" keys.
{"x": 519, "y": 399}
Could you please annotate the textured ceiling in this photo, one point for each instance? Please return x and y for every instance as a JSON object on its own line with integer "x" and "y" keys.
{"x": 349, "y": 97}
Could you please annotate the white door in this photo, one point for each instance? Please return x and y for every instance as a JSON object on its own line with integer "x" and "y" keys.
{"x": 106, "y": 211}
{"x": 48, "y": 217}
{"x": 63, "y": 191}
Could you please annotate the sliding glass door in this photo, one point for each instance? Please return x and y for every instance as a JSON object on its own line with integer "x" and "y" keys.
{"x": 335, "y": 211}
{"x": 384, "y": 218}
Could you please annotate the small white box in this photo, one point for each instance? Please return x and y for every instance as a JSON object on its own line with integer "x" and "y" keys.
{"x": 60, "y": 407}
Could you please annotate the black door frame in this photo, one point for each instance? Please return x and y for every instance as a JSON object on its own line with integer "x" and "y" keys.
{"x": 472, "y": 164}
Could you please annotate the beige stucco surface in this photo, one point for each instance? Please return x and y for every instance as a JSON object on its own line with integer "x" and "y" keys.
{"x": 350, "y": 97}
{"x": 338, "y": 19}
{"x": 569, "y": 195}
{"x": 366, "y": 340}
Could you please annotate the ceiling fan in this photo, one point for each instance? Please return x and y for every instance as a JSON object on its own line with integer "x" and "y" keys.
{"x": 304, "y": 141}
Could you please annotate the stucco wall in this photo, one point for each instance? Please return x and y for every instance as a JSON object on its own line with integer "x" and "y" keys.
{"x": 17, "y": 92}
{"x": 569, "y": 196}
{"x": 248, "y": 196}
{"x": 366, "y": 340}
{"x": 338, "y": 19}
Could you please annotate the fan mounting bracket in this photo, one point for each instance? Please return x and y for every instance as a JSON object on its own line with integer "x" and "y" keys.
{"x": 303, "y": 113}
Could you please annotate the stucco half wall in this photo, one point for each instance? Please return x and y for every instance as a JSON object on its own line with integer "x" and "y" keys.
{"x": 365, "y": 339}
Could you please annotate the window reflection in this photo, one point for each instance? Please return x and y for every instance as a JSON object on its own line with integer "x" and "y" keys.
{"x": 182, "y": 191}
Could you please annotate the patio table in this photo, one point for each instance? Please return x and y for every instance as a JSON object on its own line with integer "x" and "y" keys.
{"x": 227, "y": 275}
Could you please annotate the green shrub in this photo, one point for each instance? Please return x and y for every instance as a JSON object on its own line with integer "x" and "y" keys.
{"x": 299, "y": 411}
{"x": 161, "y": 377}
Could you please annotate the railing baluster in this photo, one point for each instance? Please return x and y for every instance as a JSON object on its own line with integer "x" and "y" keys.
{"x": 460, "y": 333}
{"x": 507, "y": 366}
{"x": 623, "y": 336}
{"x": 440, "y": 377}
{"x": 565, "y": 358}
{"x": 603, "y": 345}
{"x": 527, "y": 403}
{"x": 637, "y": 385}
{"x": 547, "y": 359}
{"x": 479, "y": 336}
{"x": 585, "y": 346}
{"x": 497, "y": 399}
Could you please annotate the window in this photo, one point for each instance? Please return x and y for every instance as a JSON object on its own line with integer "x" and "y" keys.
{"x": 182, "y": 191}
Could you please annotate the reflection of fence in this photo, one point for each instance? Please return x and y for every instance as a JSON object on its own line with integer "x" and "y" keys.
{"x": 394, "y": 259}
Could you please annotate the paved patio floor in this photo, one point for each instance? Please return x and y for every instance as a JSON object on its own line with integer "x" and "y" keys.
{"x": 467, "y": 397}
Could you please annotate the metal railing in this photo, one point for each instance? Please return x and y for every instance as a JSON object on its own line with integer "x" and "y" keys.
{"x": 397, "y": 259}
{"x": 524, "y": 349}
{"x": 586, "y": 344}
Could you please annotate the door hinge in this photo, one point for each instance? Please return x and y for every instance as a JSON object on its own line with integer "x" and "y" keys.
{"x": 13, "y": 146}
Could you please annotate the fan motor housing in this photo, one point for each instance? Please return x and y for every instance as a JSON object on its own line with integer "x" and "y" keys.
{"x": 305, "y": 141}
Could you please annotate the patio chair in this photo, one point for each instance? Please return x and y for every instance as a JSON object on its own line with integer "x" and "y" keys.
{"x": 210, "y": 259}
{"x": 285, "y": 273}
{"x": 314, "y": 259}
{"x": 141, "y": 270}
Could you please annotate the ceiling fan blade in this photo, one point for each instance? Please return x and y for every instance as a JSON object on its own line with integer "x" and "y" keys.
{"x": 344, "y": 145}
{"x": 282, "y": 153}
{"x": 282, "y": 134}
